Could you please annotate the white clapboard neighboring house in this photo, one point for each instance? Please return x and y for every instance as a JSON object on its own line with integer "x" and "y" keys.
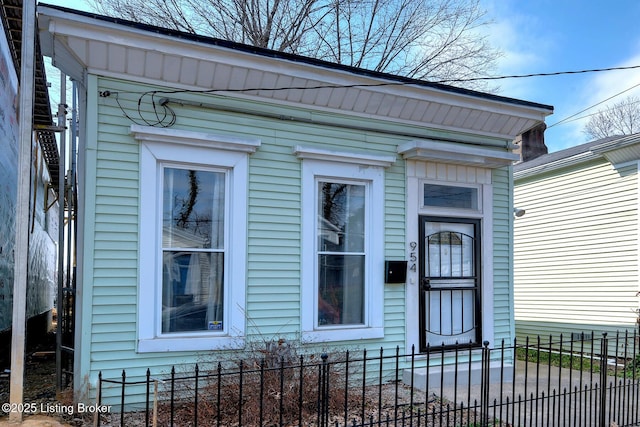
{"x": 577, "y": 254}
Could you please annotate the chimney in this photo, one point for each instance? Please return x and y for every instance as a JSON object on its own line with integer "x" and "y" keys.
{"x": 532, "y": 143}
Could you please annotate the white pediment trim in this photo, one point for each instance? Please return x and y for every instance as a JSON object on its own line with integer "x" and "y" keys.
{"x": 314, "y": 153}
{"x": 197, "y": 139}
{"x": 456, "y": 153}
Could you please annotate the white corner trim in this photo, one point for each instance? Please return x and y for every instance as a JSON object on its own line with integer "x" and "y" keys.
{"x": 199, "y": 139}
{"x": 456, "y": 153}
{"x": 314, "y": 153}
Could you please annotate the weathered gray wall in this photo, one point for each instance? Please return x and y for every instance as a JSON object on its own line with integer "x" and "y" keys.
{"x": 43, "y": 225}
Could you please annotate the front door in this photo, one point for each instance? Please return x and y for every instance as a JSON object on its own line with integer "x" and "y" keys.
{"x": 449, "y": 297}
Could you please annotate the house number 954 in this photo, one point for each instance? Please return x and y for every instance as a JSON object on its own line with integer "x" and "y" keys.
{"x": 413, "y": 257}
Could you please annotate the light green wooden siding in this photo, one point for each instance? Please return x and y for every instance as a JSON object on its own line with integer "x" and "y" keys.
{"x": 502, "y": 256}
{"x": 274, "y": 229}
{"x": 273, "y": 289}
{"x": 576, "y": 250}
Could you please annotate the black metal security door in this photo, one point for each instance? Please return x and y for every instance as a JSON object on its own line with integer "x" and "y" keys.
{"x": 449, "y": 282}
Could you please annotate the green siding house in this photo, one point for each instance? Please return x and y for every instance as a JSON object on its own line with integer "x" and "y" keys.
{"x": 230, "y": 195}
{"x": 576, "y": 250}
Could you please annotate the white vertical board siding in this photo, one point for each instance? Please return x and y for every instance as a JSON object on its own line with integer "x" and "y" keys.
{"x": 576, "y": 250}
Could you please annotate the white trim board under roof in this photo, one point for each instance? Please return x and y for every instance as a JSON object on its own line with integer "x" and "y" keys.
{"x": 79, "y": 41}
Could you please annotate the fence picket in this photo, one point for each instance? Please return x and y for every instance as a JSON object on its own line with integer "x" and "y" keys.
{"x": 341, "y": 390}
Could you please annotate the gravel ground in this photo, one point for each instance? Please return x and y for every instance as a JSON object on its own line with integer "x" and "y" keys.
{"x": 39, "y": 386}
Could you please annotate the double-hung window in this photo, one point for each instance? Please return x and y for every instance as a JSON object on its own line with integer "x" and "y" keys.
{"x": 342, "y": 245}
{"x": 341, "y": 253}
{"x": 193, "y": 248}
{"x": 193, "y": 196}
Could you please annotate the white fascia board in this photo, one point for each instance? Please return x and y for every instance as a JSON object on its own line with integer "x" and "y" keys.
{"x": 456, "y": 153}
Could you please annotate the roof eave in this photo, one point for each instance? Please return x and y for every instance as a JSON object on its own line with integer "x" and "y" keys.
{"x": 80, "y": 41}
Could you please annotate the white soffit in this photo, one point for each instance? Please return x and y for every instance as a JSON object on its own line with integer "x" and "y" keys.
{"x": 126, "y": 51}
{"x": 621, "y": 150}
{"x": 456, "y": 153}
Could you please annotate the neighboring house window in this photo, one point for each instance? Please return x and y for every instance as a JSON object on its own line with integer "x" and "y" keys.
{"x": 192, "y": 273}
{"x": 343, "y": 244}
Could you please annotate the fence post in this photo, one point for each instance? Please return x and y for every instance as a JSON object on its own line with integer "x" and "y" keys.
{"x": 124, "y": 382}
{"x": 484, "y": 384}
{"x": 195, "y": 400}
{"x": 604, "y": 348}
{"x": 173, "y": 385}
{"x": 146, "y": 412}
{"x": 96, "y": 414}
{"x": 324, "y": 389}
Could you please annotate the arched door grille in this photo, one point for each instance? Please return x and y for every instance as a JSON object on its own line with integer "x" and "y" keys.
{"x": 450, "y": 284}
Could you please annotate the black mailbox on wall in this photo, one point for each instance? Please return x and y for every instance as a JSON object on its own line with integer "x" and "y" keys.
{"x": 395, "y": 271}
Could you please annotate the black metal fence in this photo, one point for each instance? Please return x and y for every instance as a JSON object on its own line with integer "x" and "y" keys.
{"x": 561, "y": 381}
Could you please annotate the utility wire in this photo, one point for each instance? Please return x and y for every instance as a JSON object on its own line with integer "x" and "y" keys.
{"x": 567, "y": 119}
{"x": 405, "y": 83}
{"x": 168, "y": 113}
{"x": 556, "y": 73}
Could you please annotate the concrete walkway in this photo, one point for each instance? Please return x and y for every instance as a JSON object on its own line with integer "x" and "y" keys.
{"x": 34, "y": 421}
{"x": 539, "y": 394}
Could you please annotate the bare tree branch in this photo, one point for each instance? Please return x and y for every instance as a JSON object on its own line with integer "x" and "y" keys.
{"x": 622, "y": 118}
{"x": 426, "y": 39}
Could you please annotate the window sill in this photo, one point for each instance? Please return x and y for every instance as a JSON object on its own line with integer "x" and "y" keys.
{"x": 335, "y": 334}
{"x": 189, "y": 344}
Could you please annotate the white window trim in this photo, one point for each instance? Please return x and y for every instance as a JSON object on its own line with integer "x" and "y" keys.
{"x": 206, "y": 150}
{"x": 415, "y": 209}
{"x": 373, "y": 176}
{"x": 362, "y": 159}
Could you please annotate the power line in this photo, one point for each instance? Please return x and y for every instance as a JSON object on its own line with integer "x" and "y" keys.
{"x": 555, "y": 73}
{"x": 402, "y": 83}
{"x": 566, "y": 119}
{"x": 160, "y": 121}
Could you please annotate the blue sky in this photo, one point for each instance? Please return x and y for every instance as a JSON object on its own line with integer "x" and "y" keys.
{"x": 541, "y": 36}
{"x": 545, "y": 36}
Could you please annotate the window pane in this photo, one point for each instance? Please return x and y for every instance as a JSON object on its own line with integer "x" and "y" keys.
{"x": 193, "y": 209}
{"x": 192, "y": 291}
{"x": 447, "y": 196}
{"x": 450, "y": 254}
{"x": 341, "y": 217}
{"x": 340, "y": 289}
